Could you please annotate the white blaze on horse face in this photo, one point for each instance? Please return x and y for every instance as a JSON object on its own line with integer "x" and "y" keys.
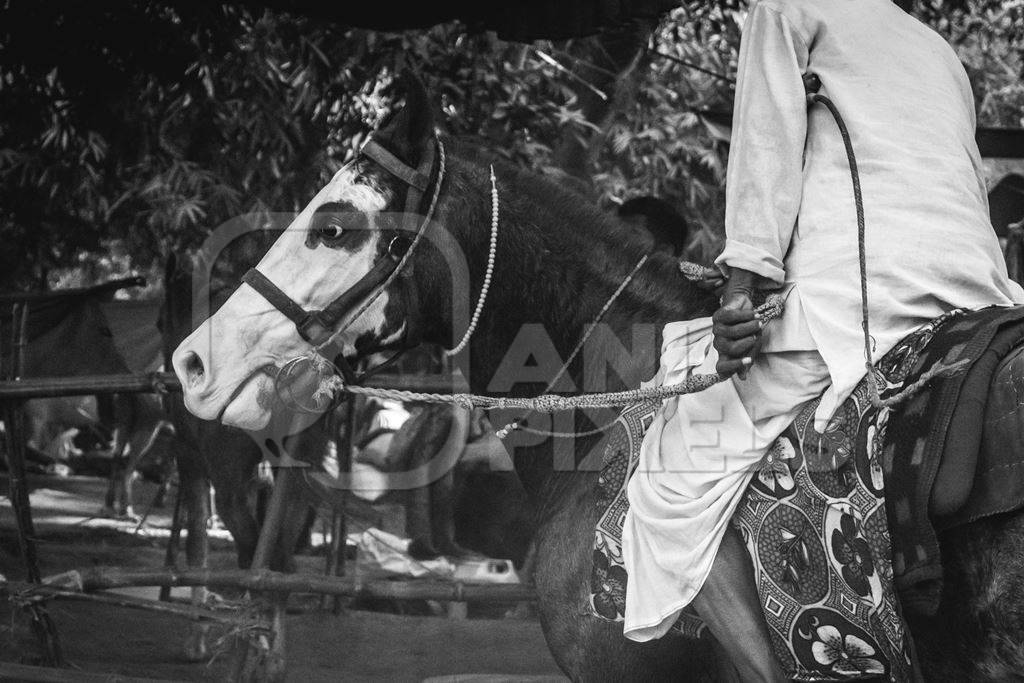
{"x": 226, "y": 366}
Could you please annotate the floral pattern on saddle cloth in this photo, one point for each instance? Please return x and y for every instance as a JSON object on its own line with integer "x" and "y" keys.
{"x": 814, "y": 522}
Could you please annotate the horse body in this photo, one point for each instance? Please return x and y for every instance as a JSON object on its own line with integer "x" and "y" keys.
{"x": 558, "y": 261}
{"x": 556, "y": 281}
{"x": 979, "y": 630}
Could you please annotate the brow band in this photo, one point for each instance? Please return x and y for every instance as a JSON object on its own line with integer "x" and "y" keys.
{"x": 395, "y": 166}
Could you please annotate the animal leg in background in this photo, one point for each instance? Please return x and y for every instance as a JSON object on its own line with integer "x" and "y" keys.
{"x": 431, "y": 512}
{"x": 443, "y": 495}
{"x": 109, "y": 413}
{"x": 140, "y": 443}
{"x": 135, "y": 429}
{"x": 195, "y": 493}
{"x": 115, "y": 504}
{"x": 415, "y": 443}
{"x": 228, "y": 458}
{"x": 309, "y": 447}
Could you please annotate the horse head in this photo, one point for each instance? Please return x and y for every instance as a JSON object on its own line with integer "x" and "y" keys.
{"x": 333, "y": 283}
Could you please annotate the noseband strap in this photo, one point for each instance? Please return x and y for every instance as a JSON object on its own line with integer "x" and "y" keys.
{"x": 316, "y": 327}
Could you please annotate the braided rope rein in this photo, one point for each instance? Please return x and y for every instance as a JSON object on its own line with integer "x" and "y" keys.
{"x": 519, "y": 423}
{"x": 875, "y": 378}
{"x": 545, "y": 403}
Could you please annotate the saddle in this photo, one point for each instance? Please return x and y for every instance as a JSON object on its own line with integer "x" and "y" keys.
{"x": 842, "y": 527}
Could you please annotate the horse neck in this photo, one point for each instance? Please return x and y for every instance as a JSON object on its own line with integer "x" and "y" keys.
{"x": 558, "y": 262}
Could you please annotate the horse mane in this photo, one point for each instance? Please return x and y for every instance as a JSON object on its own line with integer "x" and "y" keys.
{"x": 577, "y": 208}
{"x": 555, "y": 216}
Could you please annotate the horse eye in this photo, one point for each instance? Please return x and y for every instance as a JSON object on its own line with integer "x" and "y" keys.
{"x": 330, "y": 230}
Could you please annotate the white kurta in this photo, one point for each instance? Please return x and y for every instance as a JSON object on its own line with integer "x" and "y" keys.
{"x": 790, "y": 217}
{"x": 697, "y": 457}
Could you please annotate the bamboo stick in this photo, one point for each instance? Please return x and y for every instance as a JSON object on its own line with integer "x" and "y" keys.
{"x": 174, "y": 542}
{"x": 85, "y": 385}
{"x": 335, "y": 522}
{"x": 264, "y": 658}
{"x": 335, "y": 550}
{"x": 39, "y": 674}
{"x": 32, "y": 592}
{"x": 103, "y": 578}
{"x": 15, "y": 440}
{"x": 340, "y": 531}
{"x": 15, "y": 448}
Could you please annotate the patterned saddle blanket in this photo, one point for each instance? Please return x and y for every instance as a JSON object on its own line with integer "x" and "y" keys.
{"x": 815, "y": 518}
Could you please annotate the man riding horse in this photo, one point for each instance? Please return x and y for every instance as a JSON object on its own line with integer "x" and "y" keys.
{"x": 790, "y": 228}
{"x": 347, "y": 277}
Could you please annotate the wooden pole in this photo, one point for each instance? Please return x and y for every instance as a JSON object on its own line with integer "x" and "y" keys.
{"x": 263, "y": 657}
{"x": 106, "y": 578}
{"x": 15, "y": 449}
{"x": 270, "y": 532}
{"x": 340, "y": 530}
{"x": 174, "y": 542}
{"x": 40, "y": 593}
{"x": 335, "y": 522}
{"x": 14, "y": 438}
{"x": 37, "y": 674}
{"x": 88, "y": 385}
{"x": 335, "y": 556}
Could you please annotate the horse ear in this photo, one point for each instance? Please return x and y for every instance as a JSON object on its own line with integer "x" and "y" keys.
{"x": 407, "y": 132}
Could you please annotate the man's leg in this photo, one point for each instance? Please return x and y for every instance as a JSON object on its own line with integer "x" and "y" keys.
{"x": 728, "y": 603}
{"x": 776, "y": 386}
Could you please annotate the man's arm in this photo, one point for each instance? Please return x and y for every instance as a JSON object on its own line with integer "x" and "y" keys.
{"x": 765, "y": 177}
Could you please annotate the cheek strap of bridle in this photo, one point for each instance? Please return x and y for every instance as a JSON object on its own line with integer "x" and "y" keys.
{"x": 411, "y": 338}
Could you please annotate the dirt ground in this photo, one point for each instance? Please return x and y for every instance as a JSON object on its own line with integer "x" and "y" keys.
{"x": 355, "y": 645}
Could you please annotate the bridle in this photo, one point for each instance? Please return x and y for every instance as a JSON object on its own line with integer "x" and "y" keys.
{"x": 318, "y": 326}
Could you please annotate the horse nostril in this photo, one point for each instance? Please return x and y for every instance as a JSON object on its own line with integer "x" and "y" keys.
{"x": 194, "y": 370}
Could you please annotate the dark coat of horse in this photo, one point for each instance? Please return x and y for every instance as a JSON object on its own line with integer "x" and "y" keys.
{"x": 559, "y": 260}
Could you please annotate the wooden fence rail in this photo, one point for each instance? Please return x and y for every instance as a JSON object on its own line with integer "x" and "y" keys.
{"x": 106, "y": 578}
{"x": 13, "y": 392}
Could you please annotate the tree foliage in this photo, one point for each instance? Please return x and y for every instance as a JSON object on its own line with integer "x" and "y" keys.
{"x": 148, "y": 125}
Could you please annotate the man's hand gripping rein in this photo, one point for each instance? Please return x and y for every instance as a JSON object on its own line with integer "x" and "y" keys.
{"x": 737, "y": 328}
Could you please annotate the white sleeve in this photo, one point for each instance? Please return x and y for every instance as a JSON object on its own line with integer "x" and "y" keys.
{"x": 765, "y": 175}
